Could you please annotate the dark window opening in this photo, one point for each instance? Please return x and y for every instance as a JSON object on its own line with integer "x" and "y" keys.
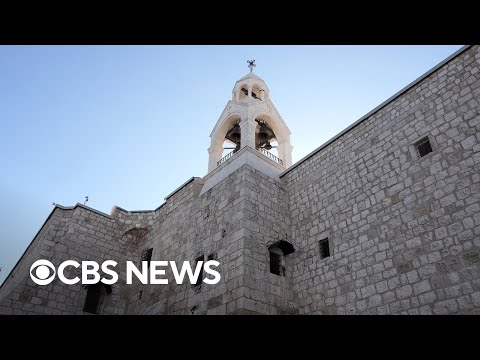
{"x": 212, "y": 256}
{"x": 423, "y": 146}
{"x": 92, "y": 300}
{"x": 140, "y": 294}
{"x": 276, "y": 264}
{"x": 324, "y": 248}
{"x": 200, "y": 276}
{"x": 147, "y": 256}
{"x": 284, "y": 246}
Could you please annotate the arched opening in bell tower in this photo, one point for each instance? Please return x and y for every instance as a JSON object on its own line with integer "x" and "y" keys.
{"x": 226, "y": 140}
{"x": 232, "y": 140}
{"x": 243, "y": 93}
{"x": 256, "y": 92}
{"x": 245, "y": 90}
{"x": 265, "y": 138}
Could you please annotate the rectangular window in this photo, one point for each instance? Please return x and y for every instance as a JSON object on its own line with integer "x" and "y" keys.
{"x": 147, "y": 255}
{"x": 324, "y": 248}
{"x": 200, "y": 277}
{"x": 93, "y": 299}
{"x": 423, "y": 146}
{"x": 275, "y": 263}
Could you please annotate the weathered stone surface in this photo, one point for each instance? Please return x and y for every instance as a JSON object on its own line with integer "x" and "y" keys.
{"x": 403, "y": 230}
{"x": 424, "y": 229}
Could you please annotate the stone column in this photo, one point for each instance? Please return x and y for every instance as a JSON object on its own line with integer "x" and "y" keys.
{"x": 262, "y": 95}
{"x": 285, "y": 152}
{"x": 287, "y": 162}
{"x": 215, "y": 154}
{"x": 247, "y": 127}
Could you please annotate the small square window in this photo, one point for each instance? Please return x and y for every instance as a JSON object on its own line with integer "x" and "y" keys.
{"x": 423, "y": 146}
{"x": 324, "y": 248}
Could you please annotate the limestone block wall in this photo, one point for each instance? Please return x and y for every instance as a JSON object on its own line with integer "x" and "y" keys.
{"x": 236, "y": 220}
{"x": 188, "y": 226}
{"x": 404, "y": 230}
{"x": 78, "y": 234}
{"x": 185, "y": 227}
{"x": 266, "y": 221}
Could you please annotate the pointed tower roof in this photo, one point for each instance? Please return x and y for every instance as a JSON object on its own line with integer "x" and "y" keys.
{"x": 251, "y": 75}
{"x": 252, "y": 79}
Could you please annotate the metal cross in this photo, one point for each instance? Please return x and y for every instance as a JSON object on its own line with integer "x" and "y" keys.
{"x": 251, "y": 64}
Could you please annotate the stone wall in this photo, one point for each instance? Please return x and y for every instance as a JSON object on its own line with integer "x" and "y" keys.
{"x": 266, "y": 222}
{"x": 185, "y": 227}
{"x": 235, "y": 220}
{"x": 78, "y": 234}
{"x": 404, "y": 230}
{"x": 188, "y": 226}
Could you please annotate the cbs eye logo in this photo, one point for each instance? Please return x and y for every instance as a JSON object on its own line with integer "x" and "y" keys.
{"x": 42, "y": 272}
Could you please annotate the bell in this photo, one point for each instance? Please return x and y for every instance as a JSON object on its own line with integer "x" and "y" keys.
{"x": 234, "y": 134}
{"x": 265, "y": 133}
{"x": 268, "y": 146}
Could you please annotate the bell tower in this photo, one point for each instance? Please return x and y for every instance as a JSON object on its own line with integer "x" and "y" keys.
{"x": 250, "y": 120}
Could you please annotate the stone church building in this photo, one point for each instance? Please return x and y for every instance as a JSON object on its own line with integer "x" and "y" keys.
{"x": 384, "y": 218}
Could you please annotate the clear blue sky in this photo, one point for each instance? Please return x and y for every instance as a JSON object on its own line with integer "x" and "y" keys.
{"x": 126, "y": 125}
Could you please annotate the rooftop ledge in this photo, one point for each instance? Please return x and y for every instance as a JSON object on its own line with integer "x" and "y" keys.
{"x": 378, "y": 108}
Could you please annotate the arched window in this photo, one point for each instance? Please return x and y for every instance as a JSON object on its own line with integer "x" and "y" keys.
{"x": 278, "y": 251}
